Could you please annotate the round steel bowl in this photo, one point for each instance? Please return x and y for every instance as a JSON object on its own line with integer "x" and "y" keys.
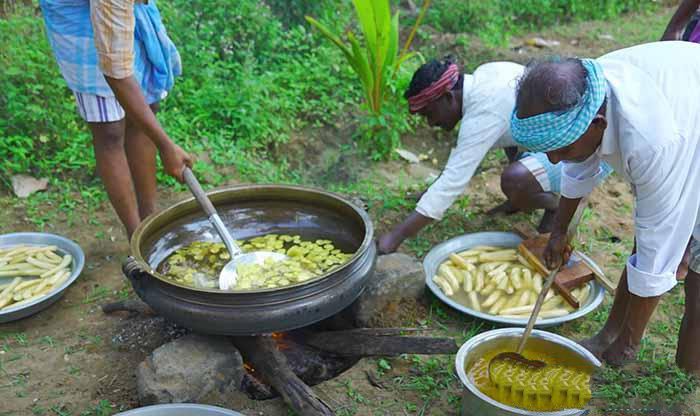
{"x": 440, "y": 253}
{"x": 180, "y": 409}
{"x": 476, "y": 403}
{"x": 249, "y": 211}
{"x": 65, "y": 246}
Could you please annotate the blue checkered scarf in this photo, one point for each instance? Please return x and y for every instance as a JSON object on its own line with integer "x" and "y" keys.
{"x": 557, "y": 129}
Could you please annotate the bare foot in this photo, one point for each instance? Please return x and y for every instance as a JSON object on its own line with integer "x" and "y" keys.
{"x": 620, "y": 353}
{"x": 597, "y": 344}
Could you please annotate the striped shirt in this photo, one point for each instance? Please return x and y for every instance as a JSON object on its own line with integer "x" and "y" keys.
{"x": 113, "y": 25}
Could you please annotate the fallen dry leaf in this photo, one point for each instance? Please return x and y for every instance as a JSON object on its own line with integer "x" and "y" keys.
{"x": 541, "y": 43}
{"x": 408, "y": 156}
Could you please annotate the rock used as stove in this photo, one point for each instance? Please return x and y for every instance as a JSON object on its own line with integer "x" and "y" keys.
{"x": 397, "y": 277}
{"x": 188, "y": 369}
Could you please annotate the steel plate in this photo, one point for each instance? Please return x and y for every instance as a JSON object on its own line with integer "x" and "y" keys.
{"x": 65, "y": 246}
{"x": 440, "y": 253}
{"x": 180, "y": 409}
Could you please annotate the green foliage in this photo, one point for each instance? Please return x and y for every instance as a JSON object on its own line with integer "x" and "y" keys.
{"x": 380, "y": 133}
{"x": 495, "y": 20}
{"x": 658, "y": 384}
{"x": 292, "y": 12}
{"x": 40, "y": 132}
{"x": 376, "y": 61}
{"x": 247, "y": 83}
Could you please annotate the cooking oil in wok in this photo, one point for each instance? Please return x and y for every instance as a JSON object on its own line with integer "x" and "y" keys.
{"x": 199, "y": 264}
{"x": 555, "y": 387}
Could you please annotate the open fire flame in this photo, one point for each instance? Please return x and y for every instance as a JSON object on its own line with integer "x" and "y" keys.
{"x": 281, "y": 340}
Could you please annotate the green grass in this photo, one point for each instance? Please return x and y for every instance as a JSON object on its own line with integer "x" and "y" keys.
{"x": 655, "y": 384}
{"x": 495, "y": 21}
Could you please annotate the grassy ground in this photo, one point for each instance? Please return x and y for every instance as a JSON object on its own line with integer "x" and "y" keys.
{"x": 73, "y": 360}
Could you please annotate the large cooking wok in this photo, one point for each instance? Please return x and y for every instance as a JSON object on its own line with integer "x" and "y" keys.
{"x": 250, "y": 211}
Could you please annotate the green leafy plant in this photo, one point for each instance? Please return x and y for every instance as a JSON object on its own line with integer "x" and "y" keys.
{"x": 375, "y": 63}
{"x": 378, "y": 60}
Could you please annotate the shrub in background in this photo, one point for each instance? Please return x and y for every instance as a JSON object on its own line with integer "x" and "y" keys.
{"x": 495, "y": 20}
{"x": 376, "y": 61}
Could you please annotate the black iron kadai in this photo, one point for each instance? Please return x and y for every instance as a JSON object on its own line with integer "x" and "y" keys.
{"x": 254, "y": 210}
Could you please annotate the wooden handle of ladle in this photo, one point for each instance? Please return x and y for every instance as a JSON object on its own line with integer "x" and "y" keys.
{"x": 199, "y": 194}
{"x": 538, "y": 306}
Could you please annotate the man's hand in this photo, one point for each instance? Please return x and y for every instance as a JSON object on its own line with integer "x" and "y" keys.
{"x": 557, "y": 251}
{"x": 388, "y": 243}
{"x": 175, "y": 160}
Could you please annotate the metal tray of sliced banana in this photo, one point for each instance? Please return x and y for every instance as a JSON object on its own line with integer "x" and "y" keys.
{"x": 482, "y": 275}
{"x": 35, "y": 270}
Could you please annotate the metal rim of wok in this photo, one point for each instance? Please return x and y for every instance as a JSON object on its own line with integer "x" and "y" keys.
{"x": 181, "y": 408}
{"x": 485, "y": 337}
{"x": 440, "y": 253}
{"x": 45, "y": 239}
{"x": 136, "y": 239}
{"x": 255, "y": 209}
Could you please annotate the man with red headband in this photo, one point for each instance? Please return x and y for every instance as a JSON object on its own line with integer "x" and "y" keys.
{"x": 483, "y": 102}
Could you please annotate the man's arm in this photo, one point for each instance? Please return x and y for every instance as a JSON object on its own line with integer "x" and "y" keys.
{"x": 556, "y": 250}
{"x": 390, "y": 242}
{"x": 676, "y": 25}
{"x": 477, "y": 135}
{"x": 129, "y": 95}
{"x": 577, "y": 181}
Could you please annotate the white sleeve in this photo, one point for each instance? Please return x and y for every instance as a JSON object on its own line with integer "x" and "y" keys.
{"x": 579, "y": 179}
{"x": 666, "y": 208}
{"x": 477, "y": 135}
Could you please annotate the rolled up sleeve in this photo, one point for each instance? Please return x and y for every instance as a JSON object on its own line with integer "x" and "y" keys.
{"x": 477, "y": 135}
{"x": 113, "y": 25}
{"x": 579, "y": 179}
{"x": 667, "y": 204}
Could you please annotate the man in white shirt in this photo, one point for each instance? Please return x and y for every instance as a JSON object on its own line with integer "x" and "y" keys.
{"x": 636, "y": 109}
{"x": 483, "y": 102}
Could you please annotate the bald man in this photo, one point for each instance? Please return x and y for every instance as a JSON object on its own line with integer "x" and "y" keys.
{"x": 637, "y": 110}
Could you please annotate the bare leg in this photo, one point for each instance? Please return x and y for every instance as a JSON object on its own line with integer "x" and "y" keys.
{"x": 526, "y": 194}
{"x": 113, "y": 168}
{"x": 625, "y": 347}
{"x": 613, "y": 326}
{"x": 141, "y": 155}
{"x": 683, "y": 267}
{"x": 687, "y": 355}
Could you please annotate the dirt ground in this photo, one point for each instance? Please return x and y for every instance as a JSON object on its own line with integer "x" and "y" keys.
{"x": 65, "y": 360}
{"x": 74, "y": 360}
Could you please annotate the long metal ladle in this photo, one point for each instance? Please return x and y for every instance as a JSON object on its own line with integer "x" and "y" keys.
{"x": 229, "y": 274}
{"x": 517, "y": 356}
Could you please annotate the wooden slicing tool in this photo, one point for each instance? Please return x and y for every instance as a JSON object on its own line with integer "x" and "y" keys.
{"x": 570, "y": 277}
